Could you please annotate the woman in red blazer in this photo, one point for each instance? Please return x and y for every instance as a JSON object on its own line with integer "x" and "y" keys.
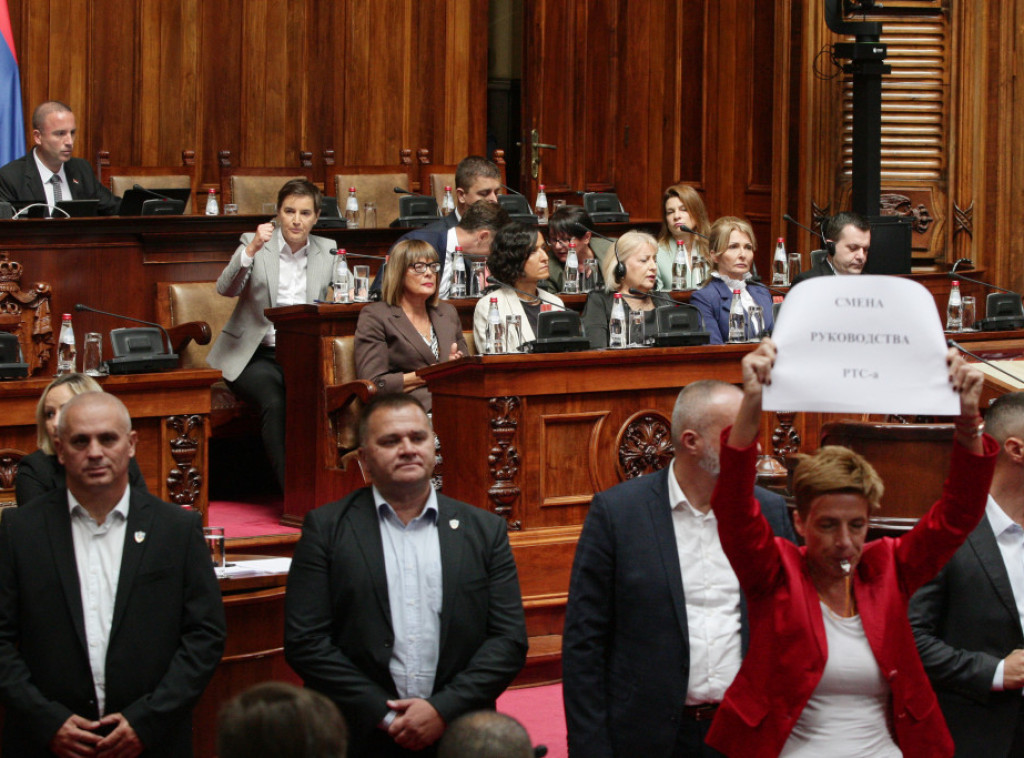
{"x": 832, "y": 668}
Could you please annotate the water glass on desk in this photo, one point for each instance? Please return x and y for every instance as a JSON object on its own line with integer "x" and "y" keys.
{"x": 967, "y": 318}
{"x": 477, "y": 278}
{"x": 214, "y": 536}
{"x": 588, "y": 275}
{"x": 369, "y": 215}
{"x": 92, "y": 361}
{"x": 635, "y": 337}
{"x": 513, "y": 333}
{"x": 362, "y": 284}
{"x": 755, "y": 323}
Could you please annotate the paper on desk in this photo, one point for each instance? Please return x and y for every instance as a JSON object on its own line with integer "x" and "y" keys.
{"x": 860, "y": 344}
{"x": 255, "y": 567}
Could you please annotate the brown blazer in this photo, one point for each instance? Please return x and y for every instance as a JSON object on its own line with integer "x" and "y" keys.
{"x": 388, "y": 345}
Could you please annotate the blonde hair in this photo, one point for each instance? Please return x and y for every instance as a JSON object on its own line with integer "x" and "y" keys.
{"x": 78, "y": 384}
{"x": 625, "y": 247}
{"x": 722, "y": 229}
{"x": 835, "y": 469}
{"x": 404, "y": 254}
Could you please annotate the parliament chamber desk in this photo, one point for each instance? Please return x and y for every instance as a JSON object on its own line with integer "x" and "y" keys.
{"x": 169, "y": 412}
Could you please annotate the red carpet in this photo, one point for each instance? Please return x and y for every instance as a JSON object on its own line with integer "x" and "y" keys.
{"x": 540, "y": 710}
{"x": 251, "y": 519}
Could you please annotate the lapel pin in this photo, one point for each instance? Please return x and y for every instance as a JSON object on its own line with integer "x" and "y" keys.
{"x": 140, "y": 537}
{"x": 454, "y": 523}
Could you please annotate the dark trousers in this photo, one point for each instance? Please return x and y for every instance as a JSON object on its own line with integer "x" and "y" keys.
{"x": 261, "y": 384}
{"x": 690, "y": 740}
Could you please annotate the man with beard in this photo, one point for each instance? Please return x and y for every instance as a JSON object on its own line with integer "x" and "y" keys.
{"x": 655, "y": 627}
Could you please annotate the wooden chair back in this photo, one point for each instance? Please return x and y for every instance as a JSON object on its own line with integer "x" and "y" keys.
{"x": 120, "y": 179}
{"x": 374, "y": 184}
{"x": 251, "y": 188}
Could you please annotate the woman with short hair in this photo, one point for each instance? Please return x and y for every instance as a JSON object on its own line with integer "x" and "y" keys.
{"x": 629, "y": 265}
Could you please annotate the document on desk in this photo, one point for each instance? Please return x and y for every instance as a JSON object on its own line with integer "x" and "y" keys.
{"x": 860, "y": 344}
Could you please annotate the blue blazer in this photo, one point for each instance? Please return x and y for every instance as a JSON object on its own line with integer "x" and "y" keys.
{"x": 625, "y": 646}
{"x": 713, "y": 301}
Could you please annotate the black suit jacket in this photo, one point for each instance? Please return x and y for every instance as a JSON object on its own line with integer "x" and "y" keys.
{"x": 20, "y": 180}
{"x": 338, "y": 633}
{"x": 434, "y": 233}
{"x": 965, "y": 621}
{"x": 166, "y": 638}
{"x": 625, "y": 648}
{"x": 822, "y": 268}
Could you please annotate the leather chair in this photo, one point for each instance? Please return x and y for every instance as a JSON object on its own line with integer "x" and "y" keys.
{"x": 345, "y": 395}
{"x": 374, "y": 184}
{"x": 120, "y": 179}
{"x": 250, "y": 188}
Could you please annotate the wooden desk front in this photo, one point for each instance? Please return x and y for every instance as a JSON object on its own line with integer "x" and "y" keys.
{"x": 169, "y": 411}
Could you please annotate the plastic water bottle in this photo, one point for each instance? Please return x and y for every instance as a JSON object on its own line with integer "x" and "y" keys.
{"x": 679, "y": 268}
{"x": 342, "y": 279}
{"x": 617, "y": 323}
{"x": 955, "y": 309}
{"x": 448, "y": 203}
{"x": 571, "y": 286}
{"x": 458, "y": 273}
{"x": 495, "y": 330}
{"x": 737, "y": 319}
{"x": 541, "y": 206}
{"x": 780, "y": 264}
{"x": 212, "y": 209}
{"x": 698, "y": 268}
{"x": 66, "y": 363}
{"x": 352, "y": 209}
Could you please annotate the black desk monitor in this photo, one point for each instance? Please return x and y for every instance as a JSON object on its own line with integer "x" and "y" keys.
{"x": 145, "y": 202}
{"x": 74, "y": 208}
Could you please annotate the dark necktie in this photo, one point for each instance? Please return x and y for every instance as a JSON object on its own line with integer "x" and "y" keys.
{"x": 55, "y": 181}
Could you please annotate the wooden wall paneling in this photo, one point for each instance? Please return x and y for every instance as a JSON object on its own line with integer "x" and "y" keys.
{"x": 596, "y": 94}
{"x": 757, "y": 136}
{"x": 465, "y": 81}
{"x": 691, "y": 126}
{"x": 636, "y": 115}
{"x": 109, "y": 117}
{"x": 325, "y": 104}
{"x": 784, "y": 113}
{"x": 222, "y": 112}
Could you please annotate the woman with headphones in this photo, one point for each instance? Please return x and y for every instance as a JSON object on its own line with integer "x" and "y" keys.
{"x": 631, "y": 264}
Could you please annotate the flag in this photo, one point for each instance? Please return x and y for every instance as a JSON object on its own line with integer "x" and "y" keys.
{"x": 12, "y": 122}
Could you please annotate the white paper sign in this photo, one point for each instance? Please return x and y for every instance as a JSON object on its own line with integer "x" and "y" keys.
{"x": 860, "y": 344}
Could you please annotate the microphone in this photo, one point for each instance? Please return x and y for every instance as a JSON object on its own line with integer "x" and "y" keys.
{"x": 1001, "y": 312}
{"x": 978, "y": 281}
{"x": 137, "y": 363}
{"x": 605, "y": 237}
{"x": 688, "y": 230}
{"x": 80, "y": 307}
{"x": 821, "y": 234}
{"x": 495, "y": 282}
{"x": 758, "y": 280}
{"x": 963, "y": 260}
{"x": 401, "y": 191}
{"x": 334, "y": 251}
{"x": 965, "y": 351}
{"x": 148, "y": 191}
{"x": 41, "y": 205}
{"x": 509, "y": 189}
{"x": 634, "y": 292}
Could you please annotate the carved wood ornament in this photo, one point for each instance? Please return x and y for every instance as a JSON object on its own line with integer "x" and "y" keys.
{"x": 184, "y": 481}
{"x": 503, "y": 458}
{"x": 645, "y": 444}
{"x": 26, "y": 313}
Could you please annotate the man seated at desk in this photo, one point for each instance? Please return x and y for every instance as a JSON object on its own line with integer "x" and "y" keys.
{"x": 848, "y": 242}
{"x": 48, "y": 173}
{"x": 281, "y": 264}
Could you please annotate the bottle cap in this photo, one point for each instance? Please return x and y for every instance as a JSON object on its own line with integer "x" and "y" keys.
{"x": 572, "y": 244}
{"x": 351, "y": 189}
{"x": 542, "y": 188}
{"x": 213, "y": 191}
{"x": 341, "y": 251}
{"x": 956, "y": 282}
{"x": 494, "y": 301}
{"x": 66, "y": 317}
{"x": 679, "y": 243}
{"x": 735, "y": 292}
{"x": 618, "y": 295}
{"x": 447, "y": 188}
{"x": 781, "y": 239}
{"x": 458, "y": 248}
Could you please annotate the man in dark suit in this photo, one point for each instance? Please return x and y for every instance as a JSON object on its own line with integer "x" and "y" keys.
{"x": 847, "y": 242}
{"x": 48, "y": 173}
{"x": 111, "y": 621}
{"x": 403, "y": 606}
{"x": 474, "y": 233}
{"x": 655, "y": 627}
{"x": 968, "y": 620}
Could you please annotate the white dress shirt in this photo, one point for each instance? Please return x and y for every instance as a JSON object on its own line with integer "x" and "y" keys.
{"x": 1010, "y": 538}
{"x": 291, "y": 277}
{"x": 712, "y": 594}
{"x": 445, "y": 285}
{"x": 98, "y": 549}
{"x": 46, "y": 175}
{"x": 412, "y": 560}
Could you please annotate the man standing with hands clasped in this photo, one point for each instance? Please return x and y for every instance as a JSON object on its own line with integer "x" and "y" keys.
{"x": 111, "y": 621}
{"x": 403, "y": 605}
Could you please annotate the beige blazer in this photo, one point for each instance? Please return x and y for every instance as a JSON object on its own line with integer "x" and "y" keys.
{"x": 508, "y": 305}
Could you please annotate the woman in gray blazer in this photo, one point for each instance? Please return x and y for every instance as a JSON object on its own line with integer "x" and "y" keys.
{"x": 409, "y": 328}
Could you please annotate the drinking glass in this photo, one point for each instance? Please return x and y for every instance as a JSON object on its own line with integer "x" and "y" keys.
{"x": 588, "y": 275}
{"x": 268, "y": 209}
{"x": 362, "y": 284}
{"x": 755, "y": 323}
{"x": 231, "y": 209}
{"x": 635, "y": 338}
{"x": 513, "y": 333}
{"x": 369, "y": 215}
{"x": 795, "y": 265}
{"x": 92, "y": 362}
{"x": 556, "y": 204}
{"x": 214, "y": 536}
{"x": 477, "y": 278}
{"x": 967, "y": 318}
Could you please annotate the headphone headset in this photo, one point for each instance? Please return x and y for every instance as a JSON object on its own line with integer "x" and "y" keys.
{"x": 619, "y": 272}
{"x": 830, "y": 246}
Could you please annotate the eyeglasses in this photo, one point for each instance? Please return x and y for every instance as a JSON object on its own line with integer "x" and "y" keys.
{"x": 422, "y": 267}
